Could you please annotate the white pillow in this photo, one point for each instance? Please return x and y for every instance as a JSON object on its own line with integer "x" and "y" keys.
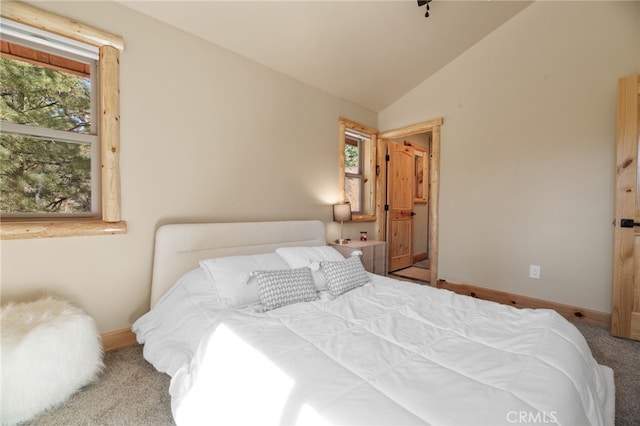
{"x": 299, "y": 257}
{"x": 284, "y": 287}
{"x": 233, "y": 277}
{"x": 195, "y": 283}
{"x": 198, "y": 282}
{"x": 344, "y": 275}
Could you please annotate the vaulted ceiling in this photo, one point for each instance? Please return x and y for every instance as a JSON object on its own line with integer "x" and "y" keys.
{"x": 368, "y": 52}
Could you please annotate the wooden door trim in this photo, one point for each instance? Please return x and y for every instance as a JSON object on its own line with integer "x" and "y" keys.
{"x": 432, "y": 126}
{"x": 414, "y": 129}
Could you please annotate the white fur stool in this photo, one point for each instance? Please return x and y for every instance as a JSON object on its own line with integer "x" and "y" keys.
{"x": 50, "y": 349}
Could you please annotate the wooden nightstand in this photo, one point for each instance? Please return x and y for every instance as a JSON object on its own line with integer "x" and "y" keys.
{"x": 374, "y": 254}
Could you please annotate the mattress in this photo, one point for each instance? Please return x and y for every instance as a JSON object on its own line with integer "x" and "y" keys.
{"x": 389, "y": 352}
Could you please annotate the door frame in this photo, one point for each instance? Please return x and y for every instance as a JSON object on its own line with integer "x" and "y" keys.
{"x": 433, "y": 127}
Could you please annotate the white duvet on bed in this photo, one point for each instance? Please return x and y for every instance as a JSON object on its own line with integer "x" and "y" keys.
{"x": 389, "y": 352}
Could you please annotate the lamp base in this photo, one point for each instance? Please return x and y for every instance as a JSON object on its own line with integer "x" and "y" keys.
{"x": 342, "y": 241}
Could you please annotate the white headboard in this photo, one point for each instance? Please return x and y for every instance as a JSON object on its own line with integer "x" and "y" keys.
{"x": 180, "y": 247}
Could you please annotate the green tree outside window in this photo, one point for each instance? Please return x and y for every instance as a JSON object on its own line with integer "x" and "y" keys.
{"x": 43, "y": 174}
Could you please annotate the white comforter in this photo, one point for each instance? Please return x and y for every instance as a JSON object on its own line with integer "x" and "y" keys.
{"x": 390, "y": 353}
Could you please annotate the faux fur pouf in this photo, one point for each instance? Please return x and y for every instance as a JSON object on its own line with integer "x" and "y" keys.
{"x": 50, "y": 349}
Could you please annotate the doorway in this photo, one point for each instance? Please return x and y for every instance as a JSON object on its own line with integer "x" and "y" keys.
{"x": 424, "y": 139}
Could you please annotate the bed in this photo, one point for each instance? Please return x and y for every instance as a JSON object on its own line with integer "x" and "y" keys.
{"x": 262, "y": 323}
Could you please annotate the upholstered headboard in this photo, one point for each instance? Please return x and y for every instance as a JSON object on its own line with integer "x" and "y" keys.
{"x": 179, "y": 247}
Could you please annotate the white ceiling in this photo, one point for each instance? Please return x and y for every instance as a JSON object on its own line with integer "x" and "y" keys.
{"x": 368, "y": 52}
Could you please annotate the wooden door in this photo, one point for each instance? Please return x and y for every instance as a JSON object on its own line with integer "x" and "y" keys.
{"x": 625, "y": 311}
{"x": 400, "y": 177}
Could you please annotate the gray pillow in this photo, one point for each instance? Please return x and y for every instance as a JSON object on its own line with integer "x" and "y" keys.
{"x": 344, "y": 275}
{"x": 284, "y": 287}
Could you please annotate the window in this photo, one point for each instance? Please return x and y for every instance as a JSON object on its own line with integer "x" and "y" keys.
{"x": 353, "y": 173}
{"x": 358, "y": 168}
{"x": 48, "y": 142}
{"x": 58, "y": 73}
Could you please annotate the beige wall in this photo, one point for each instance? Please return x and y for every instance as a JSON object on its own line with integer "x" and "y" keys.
{"x": 206, "y": 136}
{"x": 527, "y": 161}
{"x": 527, "y": 155}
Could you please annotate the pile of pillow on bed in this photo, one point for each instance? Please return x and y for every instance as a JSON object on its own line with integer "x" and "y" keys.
{"x": 186, "y": 310}
{"x": 289, "y": 275}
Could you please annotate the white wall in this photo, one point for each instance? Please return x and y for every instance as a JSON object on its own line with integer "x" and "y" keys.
{"x": 527, "y": 161}
{"x": 206, "y": 136}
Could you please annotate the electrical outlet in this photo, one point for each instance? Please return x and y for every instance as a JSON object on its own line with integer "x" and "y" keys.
{"x": 534, "y": 271}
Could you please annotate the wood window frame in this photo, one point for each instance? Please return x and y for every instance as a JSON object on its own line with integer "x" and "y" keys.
{"x": 109, "y": 47}
{"x": 359, "y": 175}
{"x": 369, "y": 169}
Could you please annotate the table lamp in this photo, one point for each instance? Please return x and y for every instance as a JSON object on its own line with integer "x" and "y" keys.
{"x": 342, "y": 213}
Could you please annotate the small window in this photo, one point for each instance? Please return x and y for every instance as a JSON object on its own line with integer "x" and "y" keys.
{"x": 357, "y": 171}
{"x": 353, "y": 173}
{"x": 48, "y": 142}
{"x": 56, "y": 151}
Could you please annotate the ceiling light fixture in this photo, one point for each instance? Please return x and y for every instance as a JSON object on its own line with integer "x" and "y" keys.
{"x": 422, "y": 3}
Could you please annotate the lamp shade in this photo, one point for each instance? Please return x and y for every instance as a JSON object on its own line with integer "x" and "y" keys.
{"x": 342, "y": 212}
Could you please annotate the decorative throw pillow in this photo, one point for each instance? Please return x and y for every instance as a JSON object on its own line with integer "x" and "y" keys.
{"x": 284, "y": 287}
{"x": 344, "y": 275}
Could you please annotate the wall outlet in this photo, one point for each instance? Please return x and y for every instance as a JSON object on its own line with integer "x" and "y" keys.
{"x": 534, "y": 271}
